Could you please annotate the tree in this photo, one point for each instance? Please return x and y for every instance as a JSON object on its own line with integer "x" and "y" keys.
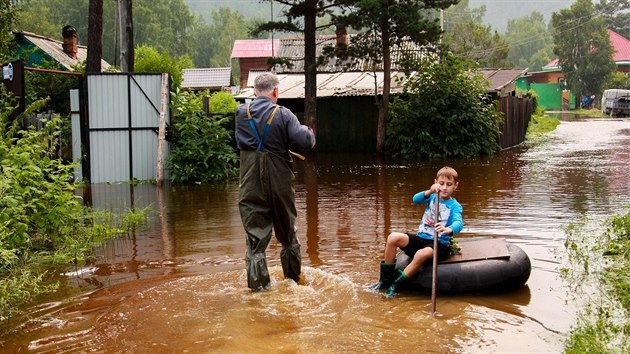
{"x": 301, "y": 16}
{"x": 387, "y": 24}
{"x": 125, "y": 14}
{"x": 530, "y": 42}
{"x": 467, "y": 37}
{"x": 616, "y": 15}
{"x": 583, "y": 48}
{"x": 8, "y": 17}
{"x": 95, "y": 36}
{"x": 227, "y": 26}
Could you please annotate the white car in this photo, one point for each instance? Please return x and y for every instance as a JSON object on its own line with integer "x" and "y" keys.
{"x": 616, "y": 102}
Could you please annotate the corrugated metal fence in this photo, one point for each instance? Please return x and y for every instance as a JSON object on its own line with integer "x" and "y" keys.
{"x": 518, "y": 112}
{"x": 123, "y": 115}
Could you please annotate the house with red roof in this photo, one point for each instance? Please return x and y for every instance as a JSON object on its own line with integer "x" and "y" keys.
{"x": 252, "y": 54}
{"x": 549, "y": 83}
{"x": 621, "y": 56}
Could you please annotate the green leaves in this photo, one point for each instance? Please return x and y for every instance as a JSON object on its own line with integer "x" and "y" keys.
{"x": 443, "y": 114}
{"x": 201, "y": 150}
{"x": 583, "y": 47}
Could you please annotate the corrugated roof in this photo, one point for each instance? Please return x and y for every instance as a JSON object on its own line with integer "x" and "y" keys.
{"x": 362, "y": 83}
{"x": 293, "y": 48}
{"x": 54, "y": 48}
{"x": 207, "y": 78}
{"x": 255, "y": 48}
{"x": 330, "y": 84}
{"x": 620, "y": 44}
{"x": 499, "y": 78}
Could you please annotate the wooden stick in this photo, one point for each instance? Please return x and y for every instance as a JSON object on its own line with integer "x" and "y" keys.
{"x": 435, "y": 254}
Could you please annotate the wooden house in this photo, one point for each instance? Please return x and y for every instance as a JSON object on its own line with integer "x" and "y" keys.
{"x": 252, "y": 54}
{"x": 550, "y": 82}
{"x": 39, "y": 51}
{"x": 346, "y": 108}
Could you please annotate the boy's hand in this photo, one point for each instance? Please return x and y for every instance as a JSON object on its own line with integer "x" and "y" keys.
{"x": 435, "y": 188}
{"x": 443, "y": 230}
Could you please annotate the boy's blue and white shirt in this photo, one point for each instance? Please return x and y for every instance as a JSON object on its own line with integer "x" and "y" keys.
{"x": 450, "y": 215}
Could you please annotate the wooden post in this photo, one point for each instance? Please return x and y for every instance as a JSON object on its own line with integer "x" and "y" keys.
{"x": 159, "y": 173}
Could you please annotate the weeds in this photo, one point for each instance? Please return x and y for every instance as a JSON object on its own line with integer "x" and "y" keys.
{"x": 42, "y": 222}
{"x": 602, "y": 264}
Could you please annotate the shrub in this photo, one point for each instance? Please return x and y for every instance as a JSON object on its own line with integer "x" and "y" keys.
{"x": 443, "y": 113}
{"x": 200, "y": 149}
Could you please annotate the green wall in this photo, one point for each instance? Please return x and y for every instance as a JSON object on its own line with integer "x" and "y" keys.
{"x": 550, "y": 95}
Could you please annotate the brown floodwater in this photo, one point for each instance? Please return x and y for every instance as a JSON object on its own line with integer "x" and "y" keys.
{"x": 178, "y": 283}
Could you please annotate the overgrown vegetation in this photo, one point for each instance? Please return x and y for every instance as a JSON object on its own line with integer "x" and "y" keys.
{"x": 42, "y": 223}
{"x": 601, "y": 265}
{"x": 444, "y": 113}
{"x": 149, "y": 60}
{"x": 200, "y": 148}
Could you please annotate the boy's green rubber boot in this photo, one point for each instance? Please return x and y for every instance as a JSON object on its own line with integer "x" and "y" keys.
{"x": 393, "y": 289}
{"x": 388, "y": 275}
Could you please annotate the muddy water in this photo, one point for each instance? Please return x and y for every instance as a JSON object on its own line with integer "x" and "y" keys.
{"x": 178, "y": 284}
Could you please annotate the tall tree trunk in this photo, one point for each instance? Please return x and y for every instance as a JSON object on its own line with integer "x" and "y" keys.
{"x": 126, "y": 35}
{"x": 383, "y": 104}
{"x": 95, "y": 36}
{"x": 310, "y": 67}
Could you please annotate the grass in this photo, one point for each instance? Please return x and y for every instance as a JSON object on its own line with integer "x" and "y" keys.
{"x": 601, "y": 274}
{"x": 539, "y": 126}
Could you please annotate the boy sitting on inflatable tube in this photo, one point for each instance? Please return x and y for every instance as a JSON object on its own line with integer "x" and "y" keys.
{"x": 419, "y": 245}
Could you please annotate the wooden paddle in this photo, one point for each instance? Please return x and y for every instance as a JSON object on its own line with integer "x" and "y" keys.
{"x": 435, "y": 254}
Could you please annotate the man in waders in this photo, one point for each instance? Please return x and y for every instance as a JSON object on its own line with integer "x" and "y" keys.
{"x": 264, "y": 133}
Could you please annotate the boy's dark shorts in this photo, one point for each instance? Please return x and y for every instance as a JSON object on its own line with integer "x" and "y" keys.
{"x": 417, "y": 243}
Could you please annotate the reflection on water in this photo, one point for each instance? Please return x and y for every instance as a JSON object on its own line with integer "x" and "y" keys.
{"x": 178, "y": 284}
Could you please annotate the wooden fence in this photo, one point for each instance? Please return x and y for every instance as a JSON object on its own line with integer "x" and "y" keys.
{"x": 517, "y": 112}
{"x": 39, "y": 121}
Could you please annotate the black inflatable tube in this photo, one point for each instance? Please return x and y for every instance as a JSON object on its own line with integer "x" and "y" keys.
{"x": 488, "y": 275}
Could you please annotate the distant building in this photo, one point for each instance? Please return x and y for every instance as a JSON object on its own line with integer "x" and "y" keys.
{"x": 621, "y": 56}
{"x": 38, "y": 50}
{"x": 550, "y": 82}
{"x": 211, "y": 79}
{"x": 252, "y": 54}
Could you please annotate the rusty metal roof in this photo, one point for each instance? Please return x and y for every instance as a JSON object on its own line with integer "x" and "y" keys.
{"x": 330, "y": 84}
{"x": 207, "y": 78}
{"x": 499, "y": 78}
{"x": 54, "y": 48}
{"x": 293, "y": 49}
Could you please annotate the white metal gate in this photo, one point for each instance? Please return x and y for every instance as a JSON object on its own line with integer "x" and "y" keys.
{"x": 123, "y": 118}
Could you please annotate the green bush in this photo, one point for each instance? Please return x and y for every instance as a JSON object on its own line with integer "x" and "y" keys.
{"x": 42, "y": 222}
{"x": 444, "y": 113}
{"x": 200, "y": 149}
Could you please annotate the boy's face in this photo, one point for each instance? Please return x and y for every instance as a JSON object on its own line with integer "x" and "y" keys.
{"x": 447, "y": 186}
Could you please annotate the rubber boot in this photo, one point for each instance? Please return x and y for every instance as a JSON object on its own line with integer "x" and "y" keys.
{"x": 388, "y": 274}
{"x": 393, "y": 289}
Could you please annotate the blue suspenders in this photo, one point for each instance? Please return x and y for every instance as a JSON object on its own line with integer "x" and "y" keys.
{"x": 252, "y": 124}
